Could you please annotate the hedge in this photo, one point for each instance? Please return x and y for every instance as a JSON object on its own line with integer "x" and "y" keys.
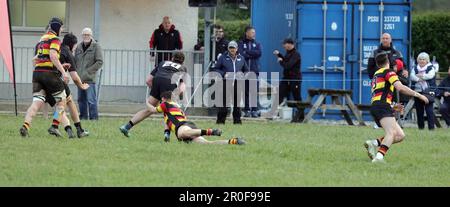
{"x": 431, "y": 34}
{"x": 234, "y": 30}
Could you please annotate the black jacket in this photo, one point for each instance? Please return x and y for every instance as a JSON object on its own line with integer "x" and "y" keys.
{"x": 221, "y": 46}
{"x": 392, "y": 53}
{"x": 161, "y": 40}
{"x": 443, "y": 87}
{"x": 291, "y": 65}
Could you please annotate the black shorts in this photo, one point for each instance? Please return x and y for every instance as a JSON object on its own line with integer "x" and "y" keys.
{"x": 185, "y": 123}
{"x": 161, "y": 85}
{"x": 379, "y": 111}
{"x": 50, "y": 82}
{"x": 51, "y": 100}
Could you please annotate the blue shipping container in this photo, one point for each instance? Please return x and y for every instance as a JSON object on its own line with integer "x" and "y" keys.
{"x": 335, "y": 38}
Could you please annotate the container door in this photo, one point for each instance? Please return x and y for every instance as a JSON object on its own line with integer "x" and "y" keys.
{"x": 324, "y": 42}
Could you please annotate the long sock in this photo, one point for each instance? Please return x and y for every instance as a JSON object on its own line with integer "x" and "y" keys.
{"x": 232, "y": 141}
{"x": 129, "y": 125}
{"x": 68, "y": 127}
{"x": 55, "y": 124}
{"x": 379, "y": 141}
{"x": 383, "y": 149}
{"x": 207, "y": 132}
{"x": 78, "y": 126}
{"x": 26, "y": 125}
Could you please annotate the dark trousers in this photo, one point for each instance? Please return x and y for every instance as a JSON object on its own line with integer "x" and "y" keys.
{"x": 223, "y": 110}
{"x": 421, "y": 108}
{"x": 445, "y": 112}
{"x": 294, "y": 88}
{"x": 250, "y": 104}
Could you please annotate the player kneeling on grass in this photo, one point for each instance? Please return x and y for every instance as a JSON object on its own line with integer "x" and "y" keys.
{"x": 185, "y": 130}
{"x": 383, "y": 84}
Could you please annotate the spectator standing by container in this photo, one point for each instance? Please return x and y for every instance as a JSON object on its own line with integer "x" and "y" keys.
{"x": 250, "y": 49}
{"x": 393, "y": 54}
{"x": 424, "y": 82}
{"x": 292, "y": 76}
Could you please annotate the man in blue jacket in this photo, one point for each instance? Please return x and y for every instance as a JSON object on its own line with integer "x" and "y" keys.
{"x": 231, "y": 66}
{"x": 251, "y": 51}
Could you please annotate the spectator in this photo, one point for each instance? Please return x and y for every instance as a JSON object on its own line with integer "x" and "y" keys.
{"x": 228, "y": 65}
{"x": 88, "y": 59}
{"x": 424, "y": 80}
{"x": 387, "y": 47}
{"x": 166, "y": 38}
{"x": 220, "y": 41}
{"x": 292, "y": 76}
{"x": 251, "y": 50}
{"x": 444, "y": 91}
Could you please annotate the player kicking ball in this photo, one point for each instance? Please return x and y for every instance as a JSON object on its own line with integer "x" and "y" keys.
{"x": 383, "y": 84}
{"x": 185, "y": 130}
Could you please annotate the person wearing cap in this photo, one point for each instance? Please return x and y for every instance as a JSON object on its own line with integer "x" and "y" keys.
{"x": 88, "y": 60}
{"x": 48, "y": 77}
{"x": 423, "y": 78}
{"x": 231, "y": 66}
{"x": 251, "y": 50}
{"x": 292, "y": 76}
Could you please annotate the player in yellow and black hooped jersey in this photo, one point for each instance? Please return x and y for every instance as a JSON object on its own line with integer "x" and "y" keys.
{"x": 186, "y": 130}
{"x": 48, "y": 77}
{"x": 383, "y": 85}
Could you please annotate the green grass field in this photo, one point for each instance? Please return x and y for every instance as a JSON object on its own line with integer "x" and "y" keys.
{"x": 277, "y": 154}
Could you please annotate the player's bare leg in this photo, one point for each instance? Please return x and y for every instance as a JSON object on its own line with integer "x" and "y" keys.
{"x": 393, "y": 134}
{"x": 138, "y": 117}
{"x": 45, "y": 108}
{"x": 38, "y": 102}
{"x": 189, "y": 132}
{"x": 58, "y": 114}
{"x": 185, "y": 132}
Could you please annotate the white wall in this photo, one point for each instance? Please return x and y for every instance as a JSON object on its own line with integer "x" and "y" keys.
{"x": 125, "y": 24}
{"x": 129, "y": 24}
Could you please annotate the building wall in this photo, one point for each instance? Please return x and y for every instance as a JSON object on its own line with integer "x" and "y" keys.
{"x": 125, "y": 24}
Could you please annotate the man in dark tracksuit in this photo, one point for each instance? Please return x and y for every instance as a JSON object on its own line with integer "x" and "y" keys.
{"x": 166, "y": 37}
{"x": 251, "y": 51}
{"x": 228, "y": 65}
{"x": 292, "y": 76}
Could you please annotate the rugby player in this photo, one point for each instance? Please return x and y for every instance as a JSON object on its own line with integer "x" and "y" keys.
{"x": 383, "y": 84}
{"x": 185, "y": 130}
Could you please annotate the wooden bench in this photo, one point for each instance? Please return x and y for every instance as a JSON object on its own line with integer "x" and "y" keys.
{"x": 336, "y": 104}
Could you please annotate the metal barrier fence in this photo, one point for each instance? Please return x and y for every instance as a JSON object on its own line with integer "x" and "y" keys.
{"x": 120, "y": 67}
